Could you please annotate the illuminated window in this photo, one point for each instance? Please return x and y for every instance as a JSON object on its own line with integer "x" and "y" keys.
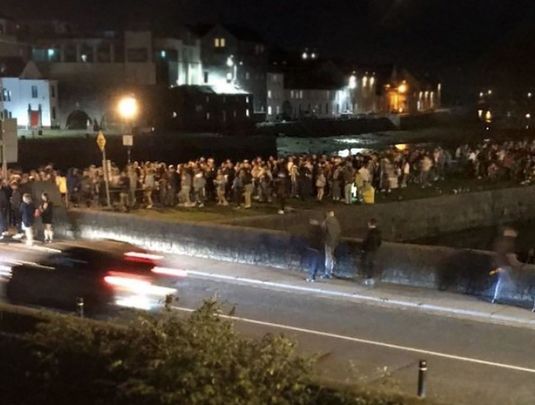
{"x": 365, "y": 81}
{"x": 208, "y": 116}
{"x": 247, "y": 75}
{"x": 216, "y": 43}
{"x": 301, "y": 94}
{"x": 247, "y": 112}
{"x": 270, "y": 110}
{"x": 219, "y": 42}
{"x": 269, "y": 94}
{"x": 223, "y": 42}
{"x": 372, "y": 81}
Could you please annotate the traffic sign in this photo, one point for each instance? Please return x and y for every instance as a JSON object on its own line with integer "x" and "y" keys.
{"x": 101, "y": 141}
{"x": 128, "y": 140}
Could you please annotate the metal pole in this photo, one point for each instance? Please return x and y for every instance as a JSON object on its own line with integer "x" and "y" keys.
{"x": 422, "y": 379}
{"x": 128, "y": 152}
{"x": 106, "y": 180}
{"x": 4, "y": 152}
{"x": 80, "y": 307}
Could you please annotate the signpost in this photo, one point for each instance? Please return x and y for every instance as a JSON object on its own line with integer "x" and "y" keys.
{"x": 128, "y": 141}
{"x": 101, "y": 142}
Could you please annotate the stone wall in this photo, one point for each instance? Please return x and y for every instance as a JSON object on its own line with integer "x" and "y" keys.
{"x": 464, "y": 271}
{"x": 422, "y": 218}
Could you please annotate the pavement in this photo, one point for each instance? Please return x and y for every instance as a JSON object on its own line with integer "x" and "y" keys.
{"x": 386, "y": 295}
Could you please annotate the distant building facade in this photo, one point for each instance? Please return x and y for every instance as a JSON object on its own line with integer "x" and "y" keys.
{"x": 235, "y": 59}
{"x": 26, "y": 96}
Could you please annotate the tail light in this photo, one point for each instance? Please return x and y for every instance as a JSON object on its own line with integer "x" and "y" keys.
{"x": 166, "y": 271}
{"x": 141, "y": 257}
{"x": 135, "y": 284}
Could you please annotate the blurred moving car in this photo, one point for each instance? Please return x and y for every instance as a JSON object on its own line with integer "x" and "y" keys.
{"x": 101, "y": 273}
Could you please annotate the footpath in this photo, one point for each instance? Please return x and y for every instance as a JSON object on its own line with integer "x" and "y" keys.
{"x": 390, "y": 296}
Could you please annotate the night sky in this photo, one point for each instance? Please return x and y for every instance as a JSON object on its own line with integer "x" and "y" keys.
{"x": 429, "y": 35}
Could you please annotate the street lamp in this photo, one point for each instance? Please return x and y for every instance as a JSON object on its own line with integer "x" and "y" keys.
{"x": 128, "y": 109}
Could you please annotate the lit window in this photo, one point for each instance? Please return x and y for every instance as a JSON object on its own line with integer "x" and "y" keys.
{"x": 229, "y": 77}
{"x": 83, "y": 57}
{"x": 270, "y": 110}
{"x": 222, "y": 42}
{"x": 247, "y": 100}
{"x": 208, "y": 116}
{"x": 365, "y": 81}
{"x": 247, "y": 75}
{"x": 216, "y": 43}
{"x": 301, "y": 94}
{"x": 247, "y": 112}
{"x": 291, "y": 94}
{"x": 163, "y": 54}
{"x": 372, "y": 81}
{"x": 269, "y": 94}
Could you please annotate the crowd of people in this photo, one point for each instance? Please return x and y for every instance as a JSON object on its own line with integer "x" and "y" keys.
{"x": 306, "y": 177}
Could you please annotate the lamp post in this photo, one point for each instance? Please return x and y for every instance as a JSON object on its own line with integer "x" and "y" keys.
{"x": 128, "y": 109}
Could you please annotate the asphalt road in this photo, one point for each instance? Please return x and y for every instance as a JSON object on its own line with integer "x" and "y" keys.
{"x": 469, "y": 362}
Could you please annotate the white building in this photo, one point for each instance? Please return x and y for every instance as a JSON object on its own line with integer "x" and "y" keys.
{"x": 26, "y": 96}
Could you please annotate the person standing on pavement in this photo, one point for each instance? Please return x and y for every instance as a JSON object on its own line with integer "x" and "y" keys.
{"x": 331, "y": 237}
{"x": 370, "y": 246}
{"x": 313, "y": 249}
{"x": 47, "y": 214}
{"x": 27, "y": 212}
{"x": 4, "y": 210}
{"x": 505, "y": 262}
{"x": 15, "y": 202}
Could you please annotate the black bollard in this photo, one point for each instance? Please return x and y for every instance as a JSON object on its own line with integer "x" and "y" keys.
{"x": 422, "y": 377}
{"x": 80, "y": 307}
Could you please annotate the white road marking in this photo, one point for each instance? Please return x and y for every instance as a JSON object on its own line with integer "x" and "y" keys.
{"x": 371, "y": 342}
{"x": 385, "y": 301}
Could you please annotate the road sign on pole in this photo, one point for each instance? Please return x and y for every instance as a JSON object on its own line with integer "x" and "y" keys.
{"x": 101, "y": 142}
{"x": 128, "y": 141}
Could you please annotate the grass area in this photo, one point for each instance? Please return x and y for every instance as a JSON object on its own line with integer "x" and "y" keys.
{"x": 214, "y": 213}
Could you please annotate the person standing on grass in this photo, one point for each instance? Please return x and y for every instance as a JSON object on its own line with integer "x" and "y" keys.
{"x": 27, "y": 213}
{"x": 331, "y": 238}
{"x": 370, "y": 246}
{"x": 321, "y": 182}
{"x": 247, "y": 181}
{"x": 348, "y": 175}
{"x": 47, "y": 214}
{"x": 221, "y": 186}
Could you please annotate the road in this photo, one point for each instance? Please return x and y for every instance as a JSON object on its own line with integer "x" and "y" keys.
{"x": 469, "y": 362}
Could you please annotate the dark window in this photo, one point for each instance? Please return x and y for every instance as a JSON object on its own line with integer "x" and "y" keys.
{"x": 119, "y": 53}
{"x": 70, "y": 53}
{"x": 206, "y": 77}
{"x": 52, "y": 91}
{"x": 53, "y": 113}
{"x": 137, "y": 55}
{"x": 35, "y": 93}
{"x": 86, "y": 54}
{"x": 104, "y": 53}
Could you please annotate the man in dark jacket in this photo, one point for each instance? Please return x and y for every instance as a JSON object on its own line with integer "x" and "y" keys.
{"x": 370, "y": 246}
{"x": 313, "y": 248}
{"x": 27, "y": 212}
{"x": 4, "y": 209}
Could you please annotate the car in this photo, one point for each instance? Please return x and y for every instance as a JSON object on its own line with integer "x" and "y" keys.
{"x": 99, "y": 274}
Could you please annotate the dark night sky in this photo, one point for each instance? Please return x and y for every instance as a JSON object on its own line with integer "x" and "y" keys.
{"x": 418, "y": 33}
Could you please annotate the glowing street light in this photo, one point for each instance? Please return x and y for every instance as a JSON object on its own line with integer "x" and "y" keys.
{"x": 352, "y": 82}
{"x": 230, "y": 61}
{"x": 128, "y": 108}
{"x": 403, "y": 88}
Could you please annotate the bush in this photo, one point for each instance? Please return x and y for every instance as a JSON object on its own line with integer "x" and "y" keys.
{"x": 161, "y": 360}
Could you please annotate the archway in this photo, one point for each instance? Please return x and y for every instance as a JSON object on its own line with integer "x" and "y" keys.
{"x": 78, "y": 119}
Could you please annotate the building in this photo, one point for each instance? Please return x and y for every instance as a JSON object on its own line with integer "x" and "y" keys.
{"x": 10, "y": 46}
{"x": 92, "y": 67}
{"x": 26, "y": 96}
{"x": 197, "y": 108}
{"x": 403, "y": 93}
{"x": 235, "y": 58}
{"x": 309, "y": 87}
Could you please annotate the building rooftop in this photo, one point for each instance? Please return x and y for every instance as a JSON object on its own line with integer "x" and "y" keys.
{"x": 240, "y": 32}
{"x": 12, "y": 67}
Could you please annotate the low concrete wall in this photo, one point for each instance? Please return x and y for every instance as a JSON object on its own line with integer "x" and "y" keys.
{"x": 422, "y": 218}
{"x": 464, "y": 271}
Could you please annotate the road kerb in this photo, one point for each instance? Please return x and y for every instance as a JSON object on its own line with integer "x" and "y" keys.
{"x": 481, "y": 316}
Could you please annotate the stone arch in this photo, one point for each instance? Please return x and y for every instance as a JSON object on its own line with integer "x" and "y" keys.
{"x": 78, "y": 119}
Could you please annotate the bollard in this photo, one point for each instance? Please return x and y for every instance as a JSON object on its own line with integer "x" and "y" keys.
{"x": 80, "y": 307}
{"x": 422, "y": 375}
